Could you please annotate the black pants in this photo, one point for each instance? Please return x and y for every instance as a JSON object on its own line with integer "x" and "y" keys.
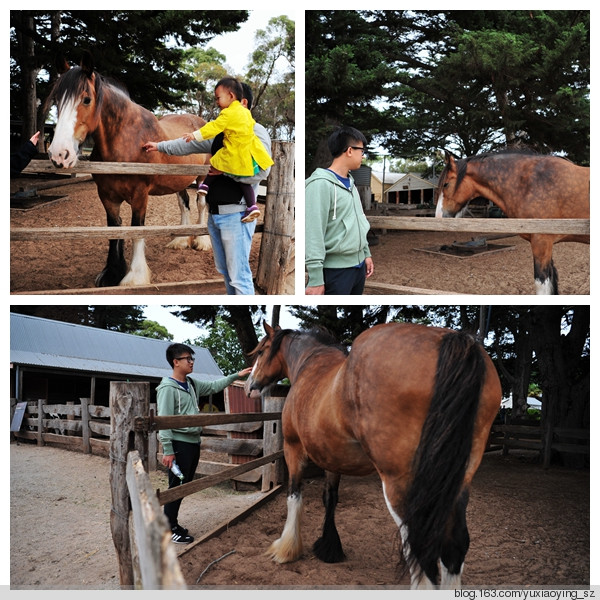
{"x": 345, "y": 281}
{"x": 186, "y": 456}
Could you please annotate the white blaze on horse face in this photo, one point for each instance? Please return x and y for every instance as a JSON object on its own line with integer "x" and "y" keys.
{"x": 439, "y": 209}
{"x": 64, "y": 147}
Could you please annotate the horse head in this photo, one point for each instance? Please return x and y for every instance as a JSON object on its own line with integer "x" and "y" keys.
{"x": 77, "y": 97}
{"x": 450, "y": 200}
{"x": 269, "y": 365}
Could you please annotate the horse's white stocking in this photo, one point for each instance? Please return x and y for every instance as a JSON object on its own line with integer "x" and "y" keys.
{"x": 543, "y": 288}
{"x": 289, "y": 546}
{"x": 182, "y": 242}
{"x": 450, "y": 581}
{"x": 418, "y": 579}
{"x": 139, "y": 273}
{"x": 202, "y": 242}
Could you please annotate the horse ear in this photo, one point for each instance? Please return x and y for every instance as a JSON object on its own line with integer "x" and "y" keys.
{"x": 449, "y": 159}
{"x": 62, "y": 66}
{"x": 87, "y": 62}
{"x": 268, "y": 329}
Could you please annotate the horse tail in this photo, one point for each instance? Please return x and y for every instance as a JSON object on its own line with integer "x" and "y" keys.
{"x": 441, "y": 458}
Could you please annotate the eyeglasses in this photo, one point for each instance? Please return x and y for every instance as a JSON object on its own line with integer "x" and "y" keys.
{"x": 188, "y": 358}
{"x": 363, "y": 150}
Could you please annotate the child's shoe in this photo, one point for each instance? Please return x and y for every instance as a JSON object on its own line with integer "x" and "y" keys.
{"x": 202, "y": 190}
{"x": 250, "y": 214}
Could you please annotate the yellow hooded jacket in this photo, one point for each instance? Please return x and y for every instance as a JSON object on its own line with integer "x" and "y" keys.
{"x": 240, "y": 144}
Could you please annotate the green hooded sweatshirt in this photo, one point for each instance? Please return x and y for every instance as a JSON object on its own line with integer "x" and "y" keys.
{"x": 173, "y": 400}
{"x": 335, "y": 225}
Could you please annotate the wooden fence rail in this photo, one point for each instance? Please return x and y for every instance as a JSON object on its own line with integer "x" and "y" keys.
{"x": 508, "y": 226}
{"x": 133, "y": 422}
{"x": 117, "y": 168}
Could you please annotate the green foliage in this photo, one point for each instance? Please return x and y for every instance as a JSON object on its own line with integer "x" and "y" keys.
{"x": 154, "y": 330}
{"x": 418, "y": 81}
{"x": 223, "y": 343}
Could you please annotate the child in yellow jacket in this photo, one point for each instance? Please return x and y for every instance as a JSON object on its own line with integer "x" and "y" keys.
{"x": 242, "y": 154}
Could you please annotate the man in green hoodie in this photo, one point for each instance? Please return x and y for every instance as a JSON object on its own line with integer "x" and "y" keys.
{"x": 337, "y": 255}
{"x": 179, "y": 395}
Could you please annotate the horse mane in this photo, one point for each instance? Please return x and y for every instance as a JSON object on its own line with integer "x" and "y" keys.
{"x": 318, "y": 334}
{"x": 462, "y": 163}
{"x": 74, "y": 81}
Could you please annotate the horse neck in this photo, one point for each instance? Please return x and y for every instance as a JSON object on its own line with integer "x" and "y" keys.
{"x": 485, "y": 186}
{"x": 119, "y": 124}
{"x": 300, "y": 353}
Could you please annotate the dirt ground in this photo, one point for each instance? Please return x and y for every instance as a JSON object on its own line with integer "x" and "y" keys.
{"x": 60, "y": 524}
{"x": 74, "y": 264}
{"x": 529, "y": 527}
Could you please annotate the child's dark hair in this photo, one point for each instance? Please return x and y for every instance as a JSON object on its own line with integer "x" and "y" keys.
{"x": 231, "y": 84}
{"x": 344, "y": 137}
{"x": 176, "y": 350}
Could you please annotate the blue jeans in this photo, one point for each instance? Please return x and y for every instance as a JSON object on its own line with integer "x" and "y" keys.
{"x": 231, "y": 242}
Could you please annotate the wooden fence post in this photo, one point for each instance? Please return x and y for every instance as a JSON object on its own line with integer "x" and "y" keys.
{"x": 85, "y": 425}
{"x": 40, "y": 423}
{"x": 275, "y": 274}
{"x": 272, "y": 474}
{"x": 127, "y": 400}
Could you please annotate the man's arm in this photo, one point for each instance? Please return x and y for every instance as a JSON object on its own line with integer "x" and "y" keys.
{"x": 179, "y": 147}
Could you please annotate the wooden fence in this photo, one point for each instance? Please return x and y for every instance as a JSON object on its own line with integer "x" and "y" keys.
{"x": 277, "y": 245}
{"x": 146, "y": 557}
{"x": 534, "y": 436}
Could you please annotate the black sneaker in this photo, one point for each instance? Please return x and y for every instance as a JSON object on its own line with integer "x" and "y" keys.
{"x": 179, "y": 535}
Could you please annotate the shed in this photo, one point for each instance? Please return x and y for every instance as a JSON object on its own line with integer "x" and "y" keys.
{"x": 411, "y": 189}
{"x": 376, "y": 183}
{"x": 62, "y": 362}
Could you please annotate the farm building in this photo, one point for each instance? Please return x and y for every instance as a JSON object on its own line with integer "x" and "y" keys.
{"x": 63, "y": 362}
{"x": 411, "y": 189}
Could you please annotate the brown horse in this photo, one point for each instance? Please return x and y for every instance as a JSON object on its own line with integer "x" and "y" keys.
{"x": 524, "y": 186}
{"x": 413, "y": 403}
{"x": 89, "y": 104}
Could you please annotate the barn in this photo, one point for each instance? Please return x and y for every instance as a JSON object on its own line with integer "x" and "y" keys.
{"x": 63, "y": 362}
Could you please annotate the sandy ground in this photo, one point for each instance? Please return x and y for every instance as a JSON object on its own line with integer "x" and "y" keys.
{"x": 60, "y": 518}
{"x": 398, "y": 257}
{"x": 529, "y": 527}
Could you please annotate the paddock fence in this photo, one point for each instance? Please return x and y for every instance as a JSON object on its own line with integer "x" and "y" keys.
{"x": 278, "y": 237}
{"x": 504, "y": 227}
{"x": 139, "y": 528}
{"x": 531, "y": 435}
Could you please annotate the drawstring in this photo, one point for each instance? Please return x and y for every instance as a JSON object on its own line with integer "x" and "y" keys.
{"x": 334, "y": 202}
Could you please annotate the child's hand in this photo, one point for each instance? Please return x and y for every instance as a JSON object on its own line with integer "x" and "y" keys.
{"x": 188, "y": 137}
{"x": 150, "y": 146}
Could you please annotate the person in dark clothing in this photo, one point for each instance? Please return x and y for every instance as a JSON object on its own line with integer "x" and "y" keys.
{"x": 21, "y": 158}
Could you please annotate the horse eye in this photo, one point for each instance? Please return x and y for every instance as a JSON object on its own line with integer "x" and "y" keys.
{"x": 445, "y": 185}
{"x": 87, "y": 100}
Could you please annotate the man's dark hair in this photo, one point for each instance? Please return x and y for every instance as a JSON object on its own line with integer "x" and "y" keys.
{"x": 232, "y": 85}
{"x": 247, "y": 94}
{"x": 344, "y": 137}
{"x": 176, "y": 350}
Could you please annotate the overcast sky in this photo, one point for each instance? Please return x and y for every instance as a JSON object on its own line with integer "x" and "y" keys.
{"x": 238, "y": 46}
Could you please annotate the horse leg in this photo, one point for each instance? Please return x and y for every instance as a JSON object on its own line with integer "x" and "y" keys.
{"x": 393, "y": 492}
{"x": 116, "y": 266}
{"x": 139, "y": 273}
{"x": 182, "y": 242}
{"x": 456, "y": 545}
{"x": 328, "y": 547}
{"x": 202, "y": 242}
{"x": 546, "y": 277}
{"x": 289, "y": 546}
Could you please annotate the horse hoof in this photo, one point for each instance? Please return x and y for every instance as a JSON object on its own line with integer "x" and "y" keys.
{"x": 283, "y": 553}
{"x": 179, "y": 243}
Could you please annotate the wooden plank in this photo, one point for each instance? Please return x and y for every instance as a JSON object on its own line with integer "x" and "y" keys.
{"x": 125, "y": 232}
{"x": 245, "y": 447}
{"x": 390, "y": 288}
{"x": 174, "y": 422}
{"x": 513, "y": 226}
{"x": 62, "y": 409}
{"x": 119, "y": 168}
{"x": 228, "y": 473}
{"x": 208, "y": 286}
{"x": 158, "y": 564}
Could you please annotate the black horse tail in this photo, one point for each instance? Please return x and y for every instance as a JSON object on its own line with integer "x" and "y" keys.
{"x": 441, "y": 458}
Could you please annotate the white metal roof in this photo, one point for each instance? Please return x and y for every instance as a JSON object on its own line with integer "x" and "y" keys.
{"x": 53, "y": 344}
